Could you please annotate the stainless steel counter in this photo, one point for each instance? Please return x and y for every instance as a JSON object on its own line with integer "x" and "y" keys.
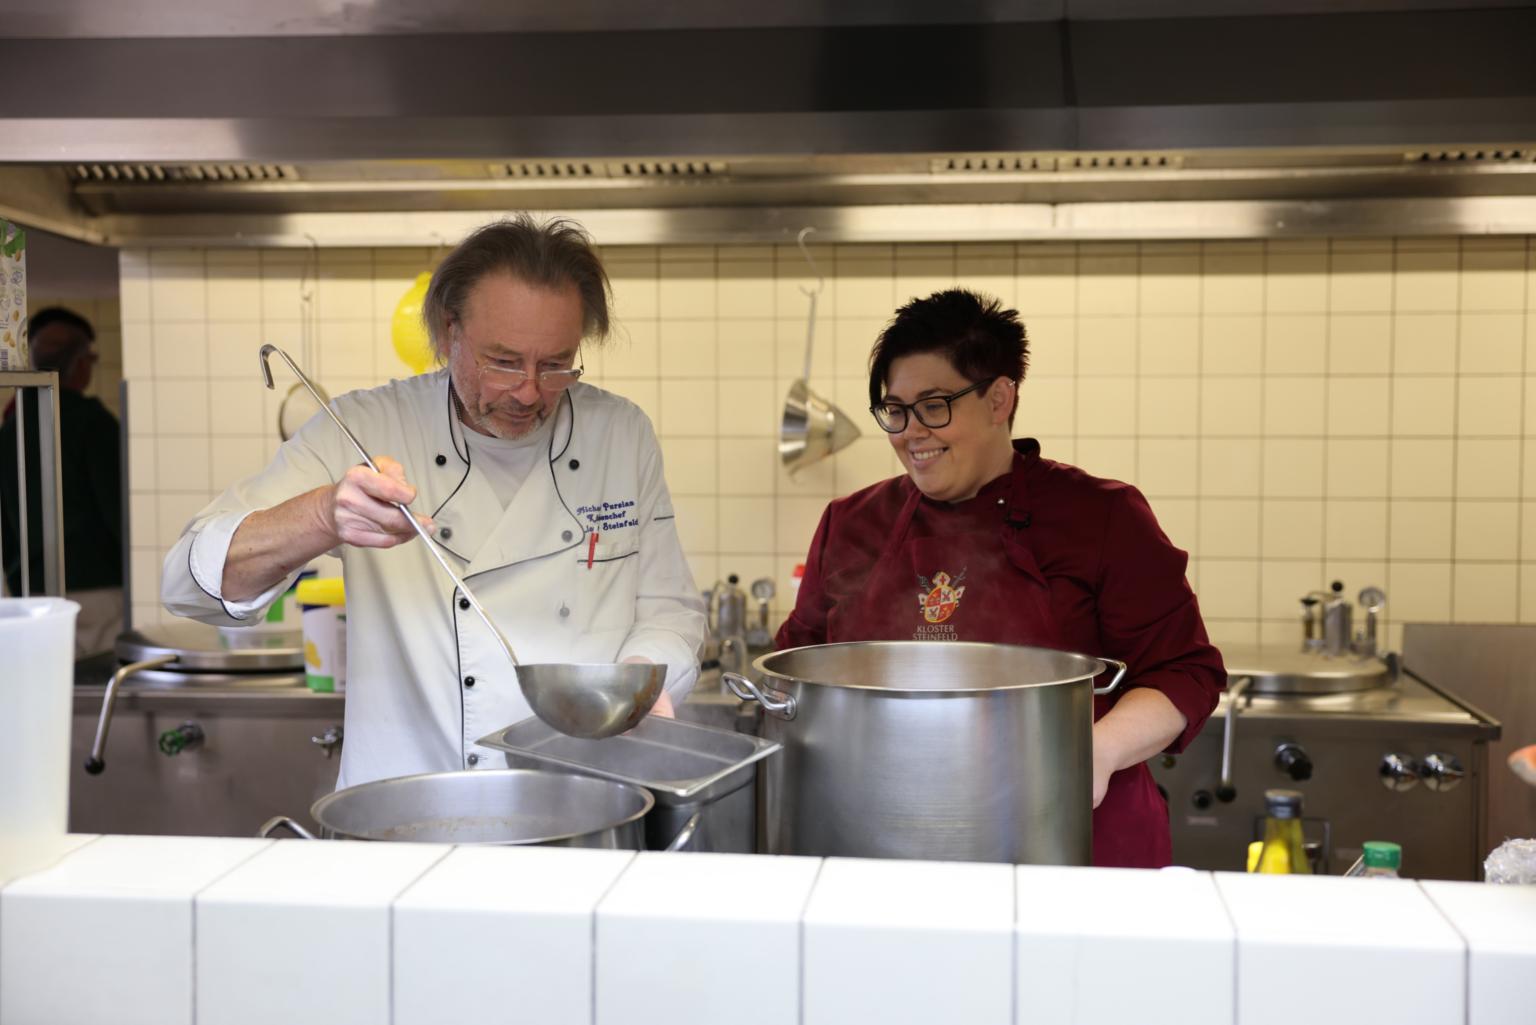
{"x": 214, "y": 758}
{"x": 1367, "y": 764}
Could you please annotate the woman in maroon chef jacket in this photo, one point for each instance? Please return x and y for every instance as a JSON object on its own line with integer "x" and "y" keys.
{"x": 986, "y": 540}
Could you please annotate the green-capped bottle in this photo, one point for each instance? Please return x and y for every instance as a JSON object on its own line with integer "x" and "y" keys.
{"x": 1382, "y": 859}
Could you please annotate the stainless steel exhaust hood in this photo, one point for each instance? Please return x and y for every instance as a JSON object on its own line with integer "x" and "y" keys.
{"x": 720, "y": 121}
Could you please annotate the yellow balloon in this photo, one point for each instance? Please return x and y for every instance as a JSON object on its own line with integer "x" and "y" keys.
{"x": 407, "y": 331}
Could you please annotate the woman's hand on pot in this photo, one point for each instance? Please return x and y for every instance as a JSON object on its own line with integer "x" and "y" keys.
{"x": 1142, "y": 723}
{"x": 1105, "y": 763}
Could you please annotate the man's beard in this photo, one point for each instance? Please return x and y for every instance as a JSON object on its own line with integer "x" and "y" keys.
{"x": 486, "y": 422}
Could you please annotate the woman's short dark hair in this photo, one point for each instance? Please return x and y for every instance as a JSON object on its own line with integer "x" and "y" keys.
{"x": 556, "y": 254}
{"x": 980, "y": 338}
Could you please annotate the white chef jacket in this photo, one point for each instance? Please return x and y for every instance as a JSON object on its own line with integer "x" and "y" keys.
{"x": 425, "y": 678}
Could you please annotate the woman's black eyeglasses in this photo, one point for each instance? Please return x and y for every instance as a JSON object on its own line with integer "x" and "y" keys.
{"x": 932, "y": 412}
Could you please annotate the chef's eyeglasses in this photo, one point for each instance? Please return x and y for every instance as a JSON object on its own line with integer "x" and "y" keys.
{"x": 506, "y": 378}
{"x": 493, "y": 375}
{"x": 933, "y": 412}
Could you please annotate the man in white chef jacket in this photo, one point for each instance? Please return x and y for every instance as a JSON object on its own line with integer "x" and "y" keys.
{"x": 547, "y": 492}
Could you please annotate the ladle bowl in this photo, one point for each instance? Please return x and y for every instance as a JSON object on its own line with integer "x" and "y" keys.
{"x": 592, "y": 700}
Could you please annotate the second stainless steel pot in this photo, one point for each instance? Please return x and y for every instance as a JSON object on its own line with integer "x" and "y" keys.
{"x": 944, "y": 751}
{"x": 496, "y": 806}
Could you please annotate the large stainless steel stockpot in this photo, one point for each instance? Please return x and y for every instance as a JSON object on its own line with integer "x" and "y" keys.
{"x": 495, "y": 806}
{"x": 937, "y": 750}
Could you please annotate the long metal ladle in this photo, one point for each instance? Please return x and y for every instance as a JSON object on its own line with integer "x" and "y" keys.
{"x": 426, "y": 537}
{"x": 591, "y": 701}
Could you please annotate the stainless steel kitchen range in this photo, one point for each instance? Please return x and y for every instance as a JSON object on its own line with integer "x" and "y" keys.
{"x": 999, "y": 512}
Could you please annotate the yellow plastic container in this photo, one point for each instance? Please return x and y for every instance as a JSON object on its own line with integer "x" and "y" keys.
{"x": 324, "y": 604}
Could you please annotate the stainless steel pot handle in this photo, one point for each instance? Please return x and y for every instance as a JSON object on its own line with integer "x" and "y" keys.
{"x": 95, "y": 763}
{"x": 686, "y": 833}
{"x": 1119, "y": 674}
{"x": 1225, "y": 791}
{"x": 277, "y": 822}
{"x": 746, "y": 690}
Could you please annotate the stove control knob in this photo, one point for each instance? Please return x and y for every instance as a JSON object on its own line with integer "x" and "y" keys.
{"x": 1399, "y": 772}
{"x": 1202, "y": 799}
{"x": 1294, "y": 761}
{"x": 1441, "y": 771}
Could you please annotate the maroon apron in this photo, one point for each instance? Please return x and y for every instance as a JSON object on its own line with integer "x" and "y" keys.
{"x": 953, "y": 586}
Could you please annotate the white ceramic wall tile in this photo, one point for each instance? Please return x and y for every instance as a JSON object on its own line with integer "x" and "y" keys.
{"x": 1487, "y": 468}
{"x": 1228, "y": 527}
{"x": 1229, "y": 588}
{"x": 1366, "y": 948}
{"x": 673, "y": 932}
{"x": 909, "y": 941}
{"x": 180, "y": 349}
{"x": 744, "y": 288}
{"x": 1169, "y": 284}
{"x": 1168, "y": 406}
{"x": 1230, "y": 468}
{"x": 1421, "y": 591}
{"x": 1293, "y": 468}
{"x": 183, "y": 463}
{"x": 1047, "y": 284}
{"x": 1424, "y": 343}
{"x": 106, "y": 934}
{"x": 1169, "y": 345}
{"x": 1360, "y": 282}
{"x": 1163, "y": 938}
{"x": 1291, "y": 527}
{"x": 745, "y": 348}
{"x": 1295, "y": 406}
{"x": 1231, "y": 406}
{"x": 1485, "y": 593}
{"x": 1427, "y": 280}
{"x": 1491, "y": 343}
{"x": 1498, "y": 924}
{"x": 301, "y": 932}
{"x": 1295, "y": 344}
{"x": 501, "y": 933}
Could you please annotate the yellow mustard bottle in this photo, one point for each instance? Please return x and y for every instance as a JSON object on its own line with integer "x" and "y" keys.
{"x": 1282, "y": 852}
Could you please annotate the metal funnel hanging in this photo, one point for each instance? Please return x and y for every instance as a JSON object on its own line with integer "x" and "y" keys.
{"x": 811, "y": 428}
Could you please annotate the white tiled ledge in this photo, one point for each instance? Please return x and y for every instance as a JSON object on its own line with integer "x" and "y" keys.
{"x": 168, "y": 930}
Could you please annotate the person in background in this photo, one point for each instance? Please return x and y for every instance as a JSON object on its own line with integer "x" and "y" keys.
{"x": 63, "y": 341}
{"x": 984, "y": 539}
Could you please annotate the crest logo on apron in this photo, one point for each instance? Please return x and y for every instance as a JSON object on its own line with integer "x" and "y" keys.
{"x": 939, "y": 598}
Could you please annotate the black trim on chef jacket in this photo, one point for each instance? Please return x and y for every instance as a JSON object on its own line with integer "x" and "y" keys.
{"x": 453, "y": 419}
{"x": 454, "y": 598}
{"x": 458, "y": 665}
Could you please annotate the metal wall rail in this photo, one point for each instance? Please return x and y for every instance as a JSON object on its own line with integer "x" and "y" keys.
{"x": 41, "y": 387}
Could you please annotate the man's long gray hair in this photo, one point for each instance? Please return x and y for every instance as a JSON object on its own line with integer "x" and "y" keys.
{"x": 556, "y": 254}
